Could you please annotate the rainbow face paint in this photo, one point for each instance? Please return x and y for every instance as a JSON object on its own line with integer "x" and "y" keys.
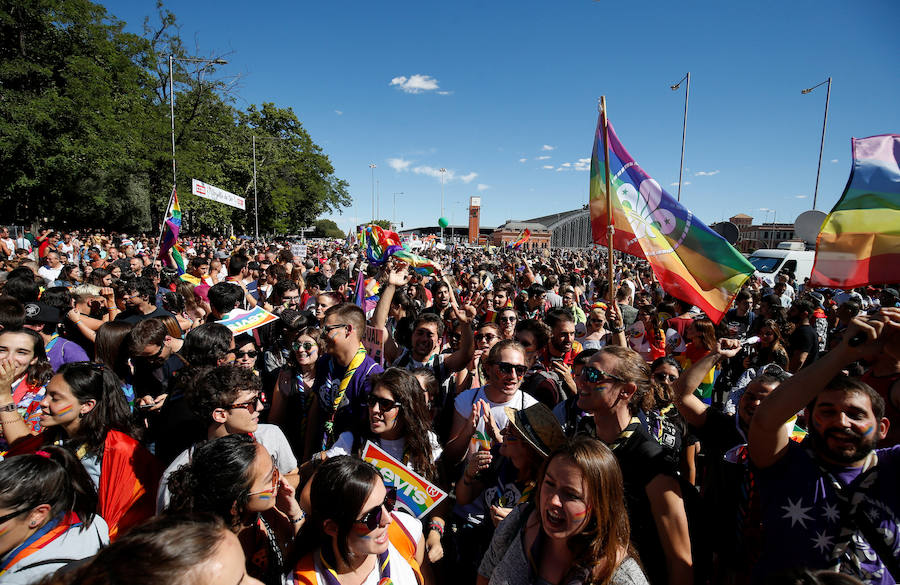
{"x": 64, "y": 410}
{"x": 869, "y": 431}
{"x": 265, "y": 495}
{"x": 580, "y": 515}
{"x": 3, "y": 531}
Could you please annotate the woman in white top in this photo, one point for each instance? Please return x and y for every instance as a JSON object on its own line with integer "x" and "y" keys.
{"x": 351, "y": 536}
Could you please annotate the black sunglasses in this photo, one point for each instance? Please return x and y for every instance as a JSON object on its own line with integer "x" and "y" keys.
{"x": 372, "y": 518}
{"x": 507, "y": 368}
{"x": 662, "y": 377}
{"x": 595, "y": 376}
{"x": 250, "y": 353}
{"x": 306, "y": 345}
{"x": 12, "y": 515}
{"x": 384, "y": 404}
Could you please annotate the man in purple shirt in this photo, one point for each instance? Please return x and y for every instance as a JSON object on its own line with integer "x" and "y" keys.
{"x": 44, "y": 319}
{"x": 342, "y": 384}
{"x": 831, "y": 502}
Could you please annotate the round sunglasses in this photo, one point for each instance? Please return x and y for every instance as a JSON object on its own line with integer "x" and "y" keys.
{"x": 372, "y": 518}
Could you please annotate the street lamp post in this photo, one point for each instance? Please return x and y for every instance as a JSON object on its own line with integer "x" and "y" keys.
{"x": 372, "y": 166}
{"x": 687, "y": 92}
{"x": 255, "y": 196}
{"x": 771, "y": 225}
{"x": 824, "y": 123}
{"x": 442, "y": 170}
{"x": 172, "y": 59}
{"x": 395, "y": 207}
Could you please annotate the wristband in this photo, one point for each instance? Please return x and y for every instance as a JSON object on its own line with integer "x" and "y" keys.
{"x": 436, "y": 526}
{"x": 617, "y": 329}
{"x": 300, "y": 519}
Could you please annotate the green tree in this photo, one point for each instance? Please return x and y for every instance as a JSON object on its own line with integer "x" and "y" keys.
{"x": 326, "y": 228}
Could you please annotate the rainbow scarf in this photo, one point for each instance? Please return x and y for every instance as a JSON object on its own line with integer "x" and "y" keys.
{"x": 691, "y": 262}
{"x": 859, "y": 243}
{"x": 41, "y": 538}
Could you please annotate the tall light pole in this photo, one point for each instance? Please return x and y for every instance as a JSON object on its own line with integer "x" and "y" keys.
{"x": 378, "y": 198}
{"x": 372, "y": 166}
{"x": 255, "y": 196}
{"x": 443, "y": 171}
{"x": 771, "y": 225}
{"x": 687, "y": 93}
{"x": 824, "y": 123}
{"x": 172, "y": 59}
{"x": 395, "y": 207}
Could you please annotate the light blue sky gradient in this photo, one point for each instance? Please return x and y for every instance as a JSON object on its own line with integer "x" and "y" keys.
{"x": 502, "y": 84}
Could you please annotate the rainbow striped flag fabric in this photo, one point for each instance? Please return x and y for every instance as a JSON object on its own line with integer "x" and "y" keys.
{"x": 523, "y": 237}
{"x": 171, "y": 226}
{"x": 381, "y": 244}
{"x": 859, "y": 242}
{"x": 691, "y": 262}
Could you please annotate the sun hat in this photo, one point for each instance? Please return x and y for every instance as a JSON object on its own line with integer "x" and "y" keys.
{"x": 538, "y": 427}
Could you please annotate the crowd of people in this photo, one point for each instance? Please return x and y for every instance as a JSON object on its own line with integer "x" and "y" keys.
{"x": 586, "y": 430}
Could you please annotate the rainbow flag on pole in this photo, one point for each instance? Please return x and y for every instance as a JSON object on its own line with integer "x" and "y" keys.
{"x": 524, "y": 236}
{"x": 859, "y": 242}
{"x": 171, "y": 226}
{"x": 691, "y": 262}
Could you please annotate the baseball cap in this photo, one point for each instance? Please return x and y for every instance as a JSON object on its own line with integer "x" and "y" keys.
{"x": 38, "y": 312}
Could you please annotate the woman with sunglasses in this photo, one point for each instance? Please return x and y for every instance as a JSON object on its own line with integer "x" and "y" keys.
{"x": 507, "y": 318}
{"x": 595, "y": 335}
{"x": 352, "y": 535}
{"x": 663, "y": 421}
{"x": 293, "y": 393}
{"x": 576, "y": 529}
{"x": 235, "y": 478}
{"x": 655, "y": 504}
{"x": 84, "y": 408}
{"x": 47, "y": 515}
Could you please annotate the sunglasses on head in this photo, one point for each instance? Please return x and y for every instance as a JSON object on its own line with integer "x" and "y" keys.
{"x": 595, "y": 376}
{"x": 251, "y": 353}
{"x": 384, "y": 404}
{"x": 507, "y": 368}
{"x": 306, "y": 345}
{"x": 372, "y": 518}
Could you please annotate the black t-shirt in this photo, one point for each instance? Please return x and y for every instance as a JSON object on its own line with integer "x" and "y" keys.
{"x": 135, "y": 317}
{"x": 805, "y": 340}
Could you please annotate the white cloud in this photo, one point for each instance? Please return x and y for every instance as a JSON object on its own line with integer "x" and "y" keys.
{"x": 834, "y": 160}
{"x": 675, "y": 184}
{"x": 800, "y": 196}
{"x": 707, "y": 173}
{"x": 449, "y": 174}
{"x": 521, "y": 160}
{"x": 483, "y": 187}
{"x": 339, "y": 112}
{"x": 548, "y": 147}
{"x": 583, "y": 164}
{"x": 433, "y": 172}
{"x": 416, "y": 83}
{"x": 566, "y": 164}
{"x": 551, "y": 167}
{"x": 545, "y": 157}
{"x": 468, "y": 178}
{"x": 399, "y": 164}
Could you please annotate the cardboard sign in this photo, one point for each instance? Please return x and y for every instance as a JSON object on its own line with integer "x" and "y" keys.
{"x": 373, "y": 341}
{"x": 298, "y": 250}
{"x": 415, "y": 494}
{"x": 243, "y": 321}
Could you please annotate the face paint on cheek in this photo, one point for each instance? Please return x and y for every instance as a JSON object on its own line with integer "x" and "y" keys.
{"x": 64, "y": 410}
{"x": 265, "y": 496}
{"x": 869, "y": 431}
{"x": 3, "y": 531}
{"x": 580, "y": 515}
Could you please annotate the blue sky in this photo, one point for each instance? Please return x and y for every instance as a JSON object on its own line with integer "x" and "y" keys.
{"x": 504, "y": 95}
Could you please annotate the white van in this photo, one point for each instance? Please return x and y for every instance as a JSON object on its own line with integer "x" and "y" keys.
{"x": 769, "y": 263}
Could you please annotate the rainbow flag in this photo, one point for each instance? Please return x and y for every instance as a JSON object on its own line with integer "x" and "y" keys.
{"x": 171, "y": 227}
{"x": 691, "y": 262}
{"x": 381, "y": 244}
{"x": 859, "y": 242}
{"x": 415, "y": 494}
{"x": 523, "y": 237}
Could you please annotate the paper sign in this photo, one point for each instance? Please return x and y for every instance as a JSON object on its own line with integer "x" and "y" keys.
{"x": 243, "y": 321}
{"x": 298, "y": 250}
{"x": 414, "y": 493}
{"x": 201, "y": 189}
{"x": 373, "y": 341}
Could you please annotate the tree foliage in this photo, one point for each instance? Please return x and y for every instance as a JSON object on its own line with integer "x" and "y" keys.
{"x": 326, "y": 228}
{"x": 85, "y": 129}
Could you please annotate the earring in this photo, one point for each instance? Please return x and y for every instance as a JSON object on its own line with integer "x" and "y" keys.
{"x": 32, "y": 525}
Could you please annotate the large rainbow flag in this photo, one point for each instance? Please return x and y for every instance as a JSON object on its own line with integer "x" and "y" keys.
{"x": 381, "y": 244}
{"x": 691, "y": 262}
{"x": 859, "y": 242}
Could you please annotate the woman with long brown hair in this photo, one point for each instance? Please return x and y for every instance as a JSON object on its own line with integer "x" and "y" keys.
{"x": 577, "y": 531}
{"x": 701, "y": 337}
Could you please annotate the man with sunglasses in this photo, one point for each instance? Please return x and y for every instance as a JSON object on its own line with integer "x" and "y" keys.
{"x": 228, "y": 399}
{"x": 155, "y": 357}
{"x": 832, "y": 502}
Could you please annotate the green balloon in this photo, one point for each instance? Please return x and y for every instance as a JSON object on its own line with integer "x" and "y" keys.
{"x": 443, "y": 222}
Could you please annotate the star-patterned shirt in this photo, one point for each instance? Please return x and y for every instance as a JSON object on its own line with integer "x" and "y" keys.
{"x": 803, "y": 519}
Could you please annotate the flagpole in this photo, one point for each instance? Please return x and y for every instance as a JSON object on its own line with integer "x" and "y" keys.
{"x": 611, "y": 230}
{"x": 162, "y": 228}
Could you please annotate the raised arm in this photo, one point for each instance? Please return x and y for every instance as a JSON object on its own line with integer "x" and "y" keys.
{"x": 768, "y": 433}
{"x": 692, "y": 408}
{"x": 397, "y": 275}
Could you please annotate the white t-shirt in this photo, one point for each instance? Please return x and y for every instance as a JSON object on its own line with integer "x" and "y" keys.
{"x": 401, "y": 572}
{"x": 394, "y": 447}
{"x": 269, "y": 436}
{"x": 464, "y": 401}
{"x": 50, "y": 274}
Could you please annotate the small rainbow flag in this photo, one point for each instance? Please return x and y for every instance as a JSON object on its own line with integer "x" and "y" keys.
{"x": 859, "y": 243}
{"x": 524, "y": 236}
{"x": 414, "y": 493}
{"x": 243, "y": 321}
{"x": 381, "y": 244}
{"x": 171, "y": 227}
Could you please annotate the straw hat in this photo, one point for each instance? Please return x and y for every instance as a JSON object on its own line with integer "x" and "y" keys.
{"x": 537, "y": 425}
